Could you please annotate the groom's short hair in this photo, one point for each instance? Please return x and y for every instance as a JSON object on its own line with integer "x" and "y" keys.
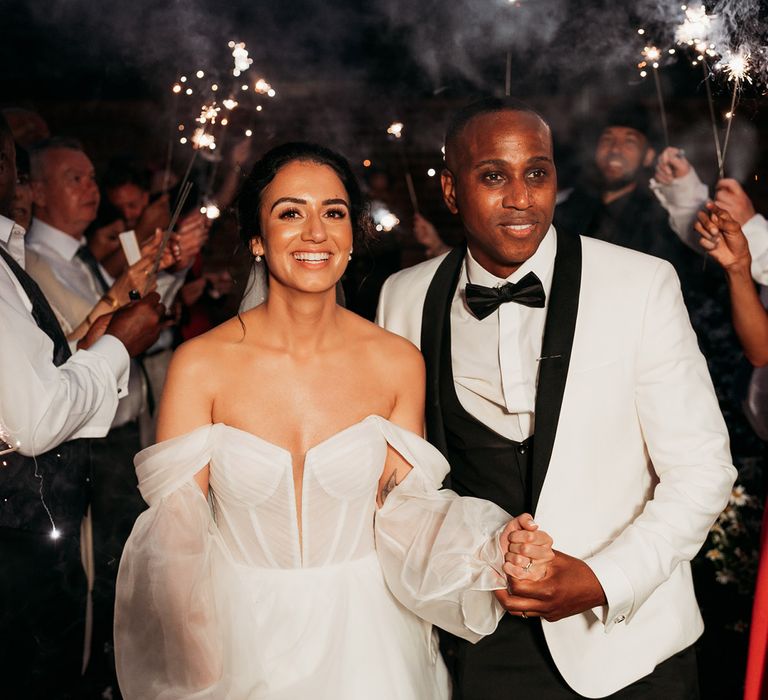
{"x": 486, "y": 105}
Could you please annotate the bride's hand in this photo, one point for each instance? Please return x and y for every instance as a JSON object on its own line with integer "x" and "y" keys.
{"x": 528, "y": 549}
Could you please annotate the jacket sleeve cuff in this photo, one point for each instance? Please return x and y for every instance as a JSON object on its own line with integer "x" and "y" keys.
{"x": 113, "y": 351}
{"x": 687, "y": 190}
{"x": 618, "y": 591}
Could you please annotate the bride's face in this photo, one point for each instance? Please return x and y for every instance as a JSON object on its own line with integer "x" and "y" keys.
{"x": 306, "y": 227}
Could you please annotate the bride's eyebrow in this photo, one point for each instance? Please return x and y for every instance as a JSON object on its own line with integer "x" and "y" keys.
{"x": 293, "y": 200}
{"x": 297, "y": 200}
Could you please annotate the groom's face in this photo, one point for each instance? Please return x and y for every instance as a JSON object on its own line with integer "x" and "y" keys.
{"x": 500, "y": 178}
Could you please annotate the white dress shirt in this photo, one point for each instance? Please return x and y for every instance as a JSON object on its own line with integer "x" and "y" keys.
{"x": 59, "y": 251}
{"x": 42, "y": 405}
{"x": 495, "y": 361}
{"x": 686, "y": 196}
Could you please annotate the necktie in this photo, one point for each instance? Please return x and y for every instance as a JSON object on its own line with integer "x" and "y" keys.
{"x": 483, "y": 301}
{"x": 85, "y": 254}
{"x": 41, "y": 310}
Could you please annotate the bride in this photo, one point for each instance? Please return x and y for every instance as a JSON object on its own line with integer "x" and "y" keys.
{"x": 297, "y": 544}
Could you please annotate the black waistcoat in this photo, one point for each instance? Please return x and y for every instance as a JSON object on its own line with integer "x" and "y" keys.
{"x": 57, "y": 478}
{"x": 483, "y": 463}
{"x": 476, "y": 453}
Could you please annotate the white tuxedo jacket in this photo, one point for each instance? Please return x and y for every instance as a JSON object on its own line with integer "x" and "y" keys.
{"x": 640, "y": 465}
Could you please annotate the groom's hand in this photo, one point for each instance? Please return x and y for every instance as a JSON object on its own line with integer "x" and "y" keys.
{"x": 568, "y": 588}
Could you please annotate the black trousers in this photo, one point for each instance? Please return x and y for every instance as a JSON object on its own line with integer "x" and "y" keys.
{"x": 514, "y": 662}
{"x": 42, "y": 598}
{"x": 115, "y": 505}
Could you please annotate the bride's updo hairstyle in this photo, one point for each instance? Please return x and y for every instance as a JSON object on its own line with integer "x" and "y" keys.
{"x": 250, "y": 198}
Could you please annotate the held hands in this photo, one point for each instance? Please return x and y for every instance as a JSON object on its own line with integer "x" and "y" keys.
{"x": 723, "y": 239}
{"x": 527, "y": 549}
{"x": 569, "y": 587}
{"x": 671, "y": 165}
{"x": 542, "y": 582}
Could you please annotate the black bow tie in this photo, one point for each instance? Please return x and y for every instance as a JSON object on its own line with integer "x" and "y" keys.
{"x": 483, "y": 301}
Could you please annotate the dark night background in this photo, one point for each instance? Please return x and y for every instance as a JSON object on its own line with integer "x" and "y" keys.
{"x": 344, "y": 70}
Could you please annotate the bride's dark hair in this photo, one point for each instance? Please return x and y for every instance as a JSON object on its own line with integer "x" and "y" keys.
{"x": 249, "y": 199}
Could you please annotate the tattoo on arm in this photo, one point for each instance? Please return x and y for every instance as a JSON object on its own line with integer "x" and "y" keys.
{"x": 387, "y": 488}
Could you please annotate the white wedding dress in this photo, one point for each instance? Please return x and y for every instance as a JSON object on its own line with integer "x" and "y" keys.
{"x": 227, "y": 599}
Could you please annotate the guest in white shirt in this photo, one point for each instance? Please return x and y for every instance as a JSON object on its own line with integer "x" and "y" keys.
{"x": 66, "y": 200}
{"x": 48, "y": 398}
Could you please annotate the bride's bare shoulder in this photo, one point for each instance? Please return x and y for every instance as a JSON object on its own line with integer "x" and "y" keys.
{"x": 387, "y": 350}
{"x": 210, "y": 348}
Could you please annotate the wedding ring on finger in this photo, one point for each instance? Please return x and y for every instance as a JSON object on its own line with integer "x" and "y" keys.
{"x": 523, "y": 615}
{"x": 528, "y": 566}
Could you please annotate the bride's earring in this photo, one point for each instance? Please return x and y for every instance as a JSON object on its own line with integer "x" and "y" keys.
{"x": 258, "y": 257}
{"x": 350, "y": 253}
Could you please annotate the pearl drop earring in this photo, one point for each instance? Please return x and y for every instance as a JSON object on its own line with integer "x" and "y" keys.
{"x": 258, "y": 258}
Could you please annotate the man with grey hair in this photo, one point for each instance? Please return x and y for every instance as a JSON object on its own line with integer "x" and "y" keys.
{"x": 67, "y": 198}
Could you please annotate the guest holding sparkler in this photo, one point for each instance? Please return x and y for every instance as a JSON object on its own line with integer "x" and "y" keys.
{"x": 722, "y": 237}
{"x": 681, "y": 192}
{"x": 48, "y": 398}
{"x": 66, "y": 200}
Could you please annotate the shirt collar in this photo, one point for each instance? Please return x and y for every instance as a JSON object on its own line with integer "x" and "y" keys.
{"x": 62, "y": 243}
{"x": 12, "y": 239}
{"x": 541, "y": 263}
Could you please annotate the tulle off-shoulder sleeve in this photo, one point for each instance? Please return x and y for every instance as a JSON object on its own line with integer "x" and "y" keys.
{"x": 168, "y": 641}
{"x": 439, "y": 551}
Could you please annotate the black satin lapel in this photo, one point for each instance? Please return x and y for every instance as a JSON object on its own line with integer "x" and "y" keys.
{"x": 437, "y": 304}
{"x": 555, "y": 357}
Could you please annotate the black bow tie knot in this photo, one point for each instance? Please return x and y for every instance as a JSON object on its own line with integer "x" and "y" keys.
{"x": 483, "y": 301}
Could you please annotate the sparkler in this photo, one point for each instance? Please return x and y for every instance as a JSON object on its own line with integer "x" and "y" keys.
{"x": 383, "y": 219}
{"x": 176, "y": 89}
{"x": 211, "y": 210}
{"x": 652, "y": 55}
{"x": 396, "y": 131}
{"x": 7, "y": 443}
{"x": 183, "y": 194}
{"x": 737, "y": 69}
{"x": 695, "y": 31}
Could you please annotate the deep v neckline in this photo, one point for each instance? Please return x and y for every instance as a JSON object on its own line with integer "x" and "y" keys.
{"x": 312, "y": 449}
{"x": 297, "y": 502}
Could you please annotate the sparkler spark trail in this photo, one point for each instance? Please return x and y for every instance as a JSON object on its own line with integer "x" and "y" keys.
{"x": 240, "y": 54}
{"x": 695, "y": 29}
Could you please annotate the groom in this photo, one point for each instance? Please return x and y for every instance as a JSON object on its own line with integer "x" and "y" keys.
{"x": 563, "y": 379}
